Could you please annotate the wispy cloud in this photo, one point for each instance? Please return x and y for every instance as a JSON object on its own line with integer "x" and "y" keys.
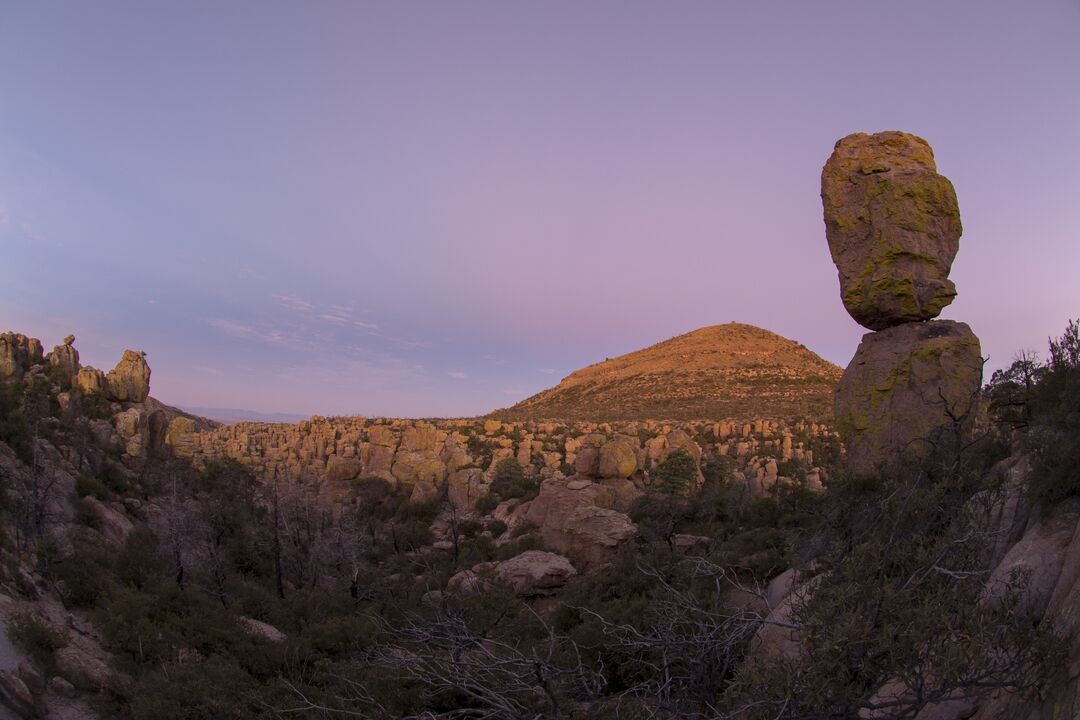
{"x": 365, "y": 325}
{"x": 336, "y": 319}
{"x": 457, "y": 374}
{"x": 247, "y": 332}
{"x": 294, "y": 303}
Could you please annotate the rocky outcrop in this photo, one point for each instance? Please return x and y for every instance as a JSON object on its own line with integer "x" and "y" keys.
{"x": 18, "y": 353}
{"x": 535, "y": 573}
{"x": 905, "y": 387}
{"x": 893, "y": 227}
{"x": 64, "y": 361}
{"x": 129, "y": 381}
{"x": 577, "y": 518}
{"x": 90, "y": 380}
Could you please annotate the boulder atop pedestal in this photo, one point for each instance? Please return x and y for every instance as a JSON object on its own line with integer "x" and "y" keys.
{"x": 893, "y": 228}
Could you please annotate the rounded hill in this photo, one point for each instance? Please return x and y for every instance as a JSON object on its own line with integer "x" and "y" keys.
{"x": 731, "y": 371}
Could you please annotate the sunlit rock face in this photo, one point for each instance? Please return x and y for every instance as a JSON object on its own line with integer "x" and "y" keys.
{"x": 17, "y": 353}
{"x": 893, "y": 228}
{"x": 129, "y": 381}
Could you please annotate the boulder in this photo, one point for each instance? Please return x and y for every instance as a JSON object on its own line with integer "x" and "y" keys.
{"x": 377, "y": 460}
{"x": 90, "y": 380}
{"x": 342, "y": 469}
{"x": 420, "y": 437}
{"x": 113, "y": 524}
{"x": 681, "y": 440}
{"x": 412, "y": 466}
{"x": 17, "y": 354}
{"x": 893, "y": 228}
{"x": 587, "y": 461}
{"x": 129, "y": 381}
{"x": 618, "y": 457}
{"x": 82, "y": 669}
{"x": 382, "y": 435}
{"x": 535, "y": 573}
{"x": 15, "y": 696}
{"x": 181, "y": 436}
{"x": 465, "y": 487}
{"x": 903, "y": 389}
{"x": 423, "y": 492}
{"x": 264, "y": 631}
{"x": 572, "y": 522}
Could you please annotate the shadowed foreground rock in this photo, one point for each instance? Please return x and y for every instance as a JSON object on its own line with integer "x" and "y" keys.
{"x": 904, "y": 387}
{"x": 893, "y": 228}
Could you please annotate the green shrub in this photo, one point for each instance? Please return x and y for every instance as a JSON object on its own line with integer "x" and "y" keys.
{"x": 469, "y": 528}
{"x": 84, "y": 577}
{"x": 675, "y": 475}
{"x": 89, "y": 485}
{"x": 85, "y": 514}
{"x": 96, "y": 406}
{"x": 487, "y": 504}
{"x": 37, "y": 638}
{"x": 509, "y": 481}
{"x": 138, "y": 564}
{"x": 496, "y": 527}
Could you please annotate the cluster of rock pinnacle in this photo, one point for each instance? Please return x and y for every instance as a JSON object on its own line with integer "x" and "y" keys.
{"x": 893, "y": 228}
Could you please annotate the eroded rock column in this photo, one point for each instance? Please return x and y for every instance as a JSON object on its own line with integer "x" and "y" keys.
{"x": 893, "y": 228}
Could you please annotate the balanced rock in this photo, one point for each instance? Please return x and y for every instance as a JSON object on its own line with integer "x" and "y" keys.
{"x": 64, "y": 359}
{"x": 129, "y": 381}
{"x": 905, "y": 387}
{"x": 893, "y": 228}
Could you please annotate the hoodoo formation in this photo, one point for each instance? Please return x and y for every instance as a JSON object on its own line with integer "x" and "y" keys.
{"x": 893, "y": 228}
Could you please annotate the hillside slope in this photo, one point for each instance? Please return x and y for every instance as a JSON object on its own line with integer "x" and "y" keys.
{"x": 730, "y": 371}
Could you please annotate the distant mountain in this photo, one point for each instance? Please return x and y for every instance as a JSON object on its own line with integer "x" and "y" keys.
{"x": 234, "y": 415}
{"x": 731, "y": 371}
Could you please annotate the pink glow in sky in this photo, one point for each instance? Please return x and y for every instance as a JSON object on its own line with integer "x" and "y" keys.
{"x": 440, "y": 208}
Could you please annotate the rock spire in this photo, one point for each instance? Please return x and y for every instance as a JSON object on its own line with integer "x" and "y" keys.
{"x": 893, "y": 227}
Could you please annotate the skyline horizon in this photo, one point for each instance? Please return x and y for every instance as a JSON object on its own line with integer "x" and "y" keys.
{"x": 386, "y": 210}
{"x": 298, "y": 414}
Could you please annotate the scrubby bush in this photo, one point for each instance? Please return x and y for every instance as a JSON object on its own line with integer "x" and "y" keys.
{"x": 37, "y": 638}
{"x": 676, "y": 473}
{"x": 509, "y": 481}
{"x": 1041, "y": 402}
{"x": 88, "y": 485}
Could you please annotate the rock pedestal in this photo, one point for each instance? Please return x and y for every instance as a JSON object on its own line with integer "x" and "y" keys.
{"x": 905, "y": 387}
{"x": 893, "y": 228}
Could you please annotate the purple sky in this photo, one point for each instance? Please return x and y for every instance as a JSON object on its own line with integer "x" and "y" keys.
{"x": 441, "y": 208}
